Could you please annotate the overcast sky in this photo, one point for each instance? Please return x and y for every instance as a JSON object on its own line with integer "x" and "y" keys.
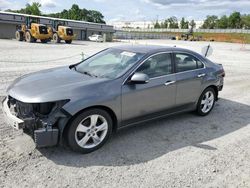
{"x": 149, "y": 10}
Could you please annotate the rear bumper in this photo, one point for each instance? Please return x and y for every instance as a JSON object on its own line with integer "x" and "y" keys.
{"x": 10, "y": 119}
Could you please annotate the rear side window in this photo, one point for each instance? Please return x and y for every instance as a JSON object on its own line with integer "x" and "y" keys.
{"x": 186, "y": 62}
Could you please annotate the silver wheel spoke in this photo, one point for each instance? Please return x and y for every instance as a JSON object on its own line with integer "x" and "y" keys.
{"x": 96, "y": 139}
{"x": 204, "y": 108}
{"x": 211, "y": 98}
{"x": 91, "y": 138}
{"x": 207, "y": 102}
{"x": 203, "y": 101}
{"x": 84, "y": 140}
{"x": 102, "y": 127}
{"x": 93, "y": 120}
{"x": 82, "y": 128}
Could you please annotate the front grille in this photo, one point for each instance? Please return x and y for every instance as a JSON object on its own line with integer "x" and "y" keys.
{"x": 43, "y": 29}
{"x": 69, "y": 32}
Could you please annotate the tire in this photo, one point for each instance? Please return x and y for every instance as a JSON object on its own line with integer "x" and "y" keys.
{"x": 68, "y": 41}
{"x": 19, "y": 35}
{"x": 44, "y": 40}
{"x": 84, "y": 135}
{"x": 206, "y": 102}
{"x": 56, "y": 38}
{"x": 28, "y": 37}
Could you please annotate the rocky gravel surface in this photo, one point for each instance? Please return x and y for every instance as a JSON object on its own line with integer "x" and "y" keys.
{"x": 183, "y": 150}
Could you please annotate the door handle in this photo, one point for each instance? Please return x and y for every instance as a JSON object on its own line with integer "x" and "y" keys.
{"x": 201, "y": 75}
{"x": 169, "y": 83}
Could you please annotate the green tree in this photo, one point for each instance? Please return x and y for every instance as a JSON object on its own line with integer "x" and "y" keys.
{"x": 210, "y": 22}
{"x": 173, "y": 22}
{"x": 192, "y": 24}
{"x": 33, "y": 9}
{"x": 222, "y": 23}
{"x": 95, "y": 16}
{"x": 184, "y": 24}
{"x": 246, "y": 21}
{"x": 234, "y": 21}
{"x": 157, "y": 25}
{"x": 76, "y": 13}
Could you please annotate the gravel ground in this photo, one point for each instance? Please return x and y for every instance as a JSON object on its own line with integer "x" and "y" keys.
{"x": 180, "y": 151}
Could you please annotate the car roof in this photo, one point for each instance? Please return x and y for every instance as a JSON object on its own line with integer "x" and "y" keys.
{"x": 149, "y": 48}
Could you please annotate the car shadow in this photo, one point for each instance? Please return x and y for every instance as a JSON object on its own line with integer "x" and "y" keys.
{"x": 151, "y": 140}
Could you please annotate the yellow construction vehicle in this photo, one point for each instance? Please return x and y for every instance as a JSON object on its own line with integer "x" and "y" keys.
{"x": 32, "y": 31}
{"x": 61, "y": 32}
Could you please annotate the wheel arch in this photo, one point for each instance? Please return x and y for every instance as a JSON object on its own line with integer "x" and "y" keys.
{"x": 105, "y": 108}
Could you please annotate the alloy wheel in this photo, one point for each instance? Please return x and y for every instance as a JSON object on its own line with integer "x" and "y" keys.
{"x": 91, "y": 131}
{"x": 207, "y": 102}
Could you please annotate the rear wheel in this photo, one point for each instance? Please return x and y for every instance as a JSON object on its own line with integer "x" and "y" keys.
{"x": 28, "y": 37}
{"x": 89, "y": 131}
{"x": 206, "y": 102}
{"x": 56, "y": 38}
{"x": 68, "y": 41}
{"x": 19, "y": 35}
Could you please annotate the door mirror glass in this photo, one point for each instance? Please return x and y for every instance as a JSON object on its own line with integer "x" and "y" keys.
{"x": 139, "y": 78}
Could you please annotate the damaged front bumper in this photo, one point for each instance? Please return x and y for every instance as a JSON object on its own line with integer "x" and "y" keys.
{"x": 9, "y": 118}
{"x": 44, "y": 129}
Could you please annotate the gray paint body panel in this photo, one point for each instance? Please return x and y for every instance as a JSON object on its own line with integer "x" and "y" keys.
{"x": 128, "y": 102}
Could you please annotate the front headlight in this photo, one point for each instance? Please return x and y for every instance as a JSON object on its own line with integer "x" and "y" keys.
{"x": 47, "y": 108}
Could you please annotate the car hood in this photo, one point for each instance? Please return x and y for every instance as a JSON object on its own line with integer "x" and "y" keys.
{"x": 51, "y": 85}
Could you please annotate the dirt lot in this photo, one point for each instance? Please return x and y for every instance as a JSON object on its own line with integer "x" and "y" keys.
{"x": 180, "y": 151}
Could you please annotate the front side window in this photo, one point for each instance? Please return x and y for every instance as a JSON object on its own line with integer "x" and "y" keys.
{"x": 186, "y": 62}
{"x": 110, "y": 63}
{"x": 157, "y": 65}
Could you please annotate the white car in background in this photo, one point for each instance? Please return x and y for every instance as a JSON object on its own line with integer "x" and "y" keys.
{"x": 96, "y": 38}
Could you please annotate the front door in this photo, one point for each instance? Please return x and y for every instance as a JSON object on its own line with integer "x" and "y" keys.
{"x": 153, "y": 97}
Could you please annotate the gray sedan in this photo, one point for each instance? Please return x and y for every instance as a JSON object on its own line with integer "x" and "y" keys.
{"x": 81, "y": 105}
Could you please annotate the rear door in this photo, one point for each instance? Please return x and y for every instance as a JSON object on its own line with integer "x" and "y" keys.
{"x": 155, "y": 96}
{"x": 190, "y": 72}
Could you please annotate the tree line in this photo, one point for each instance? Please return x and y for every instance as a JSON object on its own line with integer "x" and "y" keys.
{"x": 172, "y": 23}
{"x": 74, "y": 13}
{"x": 233, "y": 21}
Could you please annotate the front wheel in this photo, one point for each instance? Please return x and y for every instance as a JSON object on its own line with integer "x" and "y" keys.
{"x": 89, "y": 130}
{"x": 206, "y": 102}
{"x": 28, "y": 37}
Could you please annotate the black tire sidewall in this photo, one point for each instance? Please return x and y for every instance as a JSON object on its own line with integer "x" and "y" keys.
{"x": 75, "y": 122}
{"x": 199, "y": 111}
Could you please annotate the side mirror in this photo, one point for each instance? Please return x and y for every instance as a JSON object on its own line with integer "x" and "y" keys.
{"x": 139, "y": 78}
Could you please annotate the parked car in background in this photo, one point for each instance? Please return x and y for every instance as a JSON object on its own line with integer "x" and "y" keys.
{"x": 85, "y": 103}
{"x": 96, "y": 38}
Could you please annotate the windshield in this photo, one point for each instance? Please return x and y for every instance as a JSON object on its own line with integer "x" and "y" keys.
{"x": 110, "y": 63}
